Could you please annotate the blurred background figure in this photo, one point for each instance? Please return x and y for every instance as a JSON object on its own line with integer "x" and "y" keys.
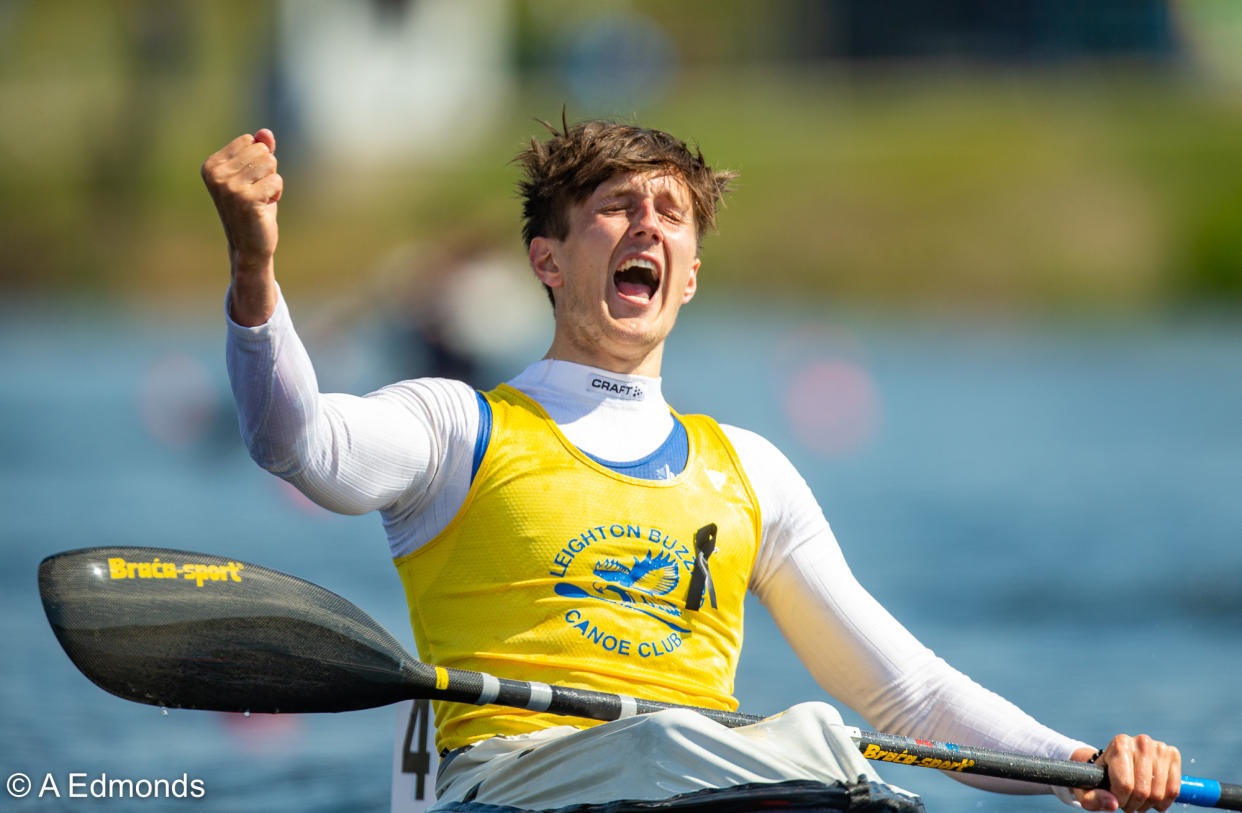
{"x": 461, "y": 313}
{"x": 457, "y": 307}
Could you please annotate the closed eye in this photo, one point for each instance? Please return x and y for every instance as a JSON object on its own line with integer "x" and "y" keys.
{"x": 613, "y": 209}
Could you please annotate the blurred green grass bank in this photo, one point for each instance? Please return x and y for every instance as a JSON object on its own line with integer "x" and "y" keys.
{"x": 1061, "y": 159}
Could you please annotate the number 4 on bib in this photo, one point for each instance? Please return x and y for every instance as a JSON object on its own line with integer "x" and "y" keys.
{"x": 415, "y": 759}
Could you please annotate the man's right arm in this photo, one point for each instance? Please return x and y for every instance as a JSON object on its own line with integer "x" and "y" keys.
{"x": 349, "y": 454}
{"x": 397, "y": 448}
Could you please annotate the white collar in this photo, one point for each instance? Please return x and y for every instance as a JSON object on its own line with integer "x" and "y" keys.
{"x": 610, "y": 415}
{"x": 576, "y": 381}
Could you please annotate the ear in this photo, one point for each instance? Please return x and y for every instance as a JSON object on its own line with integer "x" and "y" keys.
{"x": 692, "y": 284}
{"x": 543, "y": 262}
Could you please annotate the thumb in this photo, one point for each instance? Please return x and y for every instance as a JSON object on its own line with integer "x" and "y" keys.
{"x": 1097, "y": 799}
{"x": 267, "y": 137}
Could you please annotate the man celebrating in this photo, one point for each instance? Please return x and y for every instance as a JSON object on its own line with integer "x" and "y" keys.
{"x": 568, "y": 527}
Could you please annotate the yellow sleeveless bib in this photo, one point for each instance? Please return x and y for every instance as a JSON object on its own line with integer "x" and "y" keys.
{"x": 560, "y": 570}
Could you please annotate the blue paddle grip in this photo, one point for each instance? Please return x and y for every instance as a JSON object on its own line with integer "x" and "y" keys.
{"x": 1201, "y": 792}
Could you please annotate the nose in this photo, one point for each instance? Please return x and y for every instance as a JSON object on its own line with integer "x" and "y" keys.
{"x": 646, "y": 221}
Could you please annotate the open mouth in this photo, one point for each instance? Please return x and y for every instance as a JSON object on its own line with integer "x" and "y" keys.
{"x": 637, "y": 278}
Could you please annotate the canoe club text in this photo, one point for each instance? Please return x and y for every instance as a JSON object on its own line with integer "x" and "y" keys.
{"x": 565, "y": 556}
{"x": 622, "y": 646}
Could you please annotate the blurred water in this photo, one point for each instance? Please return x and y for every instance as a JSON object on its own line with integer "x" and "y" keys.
{"x": 1053, "y": 509}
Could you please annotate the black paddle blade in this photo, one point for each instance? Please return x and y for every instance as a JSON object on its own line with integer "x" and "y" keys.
{"x": 190, "y": 630}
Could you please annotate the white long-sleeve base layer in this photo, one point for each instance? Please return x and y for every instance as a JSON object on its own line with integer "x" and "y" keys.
{"x": 406, "y": 451}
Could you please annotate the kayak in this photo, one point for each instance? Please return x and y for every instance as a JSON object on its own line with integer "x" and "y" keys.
{"x": 415, "y": 762}
{"x": 799, "y": 795}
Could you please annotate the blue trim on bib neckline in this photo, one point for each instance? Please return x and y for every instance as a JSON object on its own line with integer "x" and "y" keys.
{"x": 665, "y": 463}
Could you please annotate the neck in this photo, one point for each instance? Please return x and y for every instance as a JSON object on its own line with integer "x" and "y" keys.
{"x": 647, "y": 364}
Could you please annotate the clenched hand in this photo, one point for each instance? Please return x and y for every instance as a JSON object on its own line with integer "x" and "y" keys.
{"x": 245, "y": 186}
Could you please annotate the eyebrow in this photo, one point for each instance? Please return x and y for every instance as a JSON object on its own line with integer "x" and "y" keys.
{"x": 630, "y": 189}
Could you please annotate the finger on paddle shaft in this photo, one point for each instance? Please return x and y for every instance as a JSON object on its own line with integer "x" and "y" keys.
{"x": 192, "y": 630}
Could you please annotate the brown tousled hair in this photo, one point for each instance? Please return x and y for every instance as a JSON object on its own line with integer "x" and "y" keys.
{"x": 567, "y": 168}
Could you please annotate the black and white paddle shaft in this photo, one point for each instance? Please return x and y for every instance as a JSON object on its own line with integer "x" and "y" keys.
{"x": 178, "y": 629}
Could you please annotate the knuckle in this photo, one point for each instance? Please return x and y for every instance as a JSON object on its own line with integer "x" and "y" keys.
{"x": 219, "y": 174}
{"x": 210, "y": 167}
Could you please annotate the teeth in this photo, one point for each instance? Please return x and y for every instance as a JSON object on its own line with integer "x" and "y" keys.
{"x": 638, "y": 262}
{"x": 638, "y": 278}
